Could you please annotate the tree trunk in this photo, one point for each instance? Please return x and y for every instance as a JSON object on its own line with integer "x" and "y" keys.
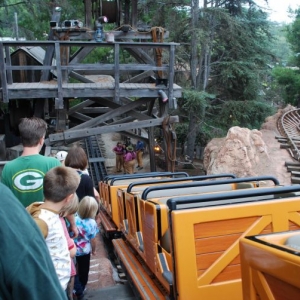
{"x": 194, "y": 41}
{"x": 88, "y": 13}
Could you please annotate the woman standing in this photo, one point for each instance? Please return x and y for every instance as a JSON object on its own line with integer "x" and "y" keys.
{"x": 119, "y": 150}
{"x": 129, "y": 160}
{"x": 77, "y": 159}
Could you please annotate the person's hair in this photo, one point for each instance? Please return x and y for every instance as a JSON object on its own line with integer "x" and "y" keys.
{"x": 119, "y": 143}
{"x": 76, "y": 158}
{"x": 71, "y": 208}
{"x": 32, "y": 130}
{"x": 88, "y": 207}
{"x": 59, "y": 183}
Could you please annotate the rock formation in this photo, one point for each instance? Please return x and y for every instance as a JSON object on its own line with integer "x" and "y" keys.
{"x": 246, "y": 152}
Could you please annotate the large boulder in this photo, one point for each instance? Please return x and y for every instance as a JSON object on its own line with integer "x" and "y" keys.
{"x": 246, "y": 152}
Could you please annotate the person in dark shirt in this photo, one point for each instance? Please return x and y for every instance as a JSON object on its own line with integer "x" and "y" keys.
{"x": 77, "y": 159}
{"x": 139, "y": 149}
{"x": 27, "y": 270}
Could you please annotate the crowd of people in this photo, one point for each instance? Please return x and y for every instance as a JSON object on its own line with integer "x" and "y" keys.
{"x": 127, "y": 156}
{"x": 48, "y": 212}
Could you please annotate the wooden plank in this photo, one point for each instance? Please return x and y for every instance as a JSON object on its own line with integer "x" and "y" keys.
{"x": 117, "y": 73}
{"x": 8, "y": 65}
{"x": 215, "y": 243}
{"x": 290, "y": 163}
{"x": 80, "y": 133}
{"x": 295, "y": 179}
{"x": 171, "y": 76}
{"x": 106, "y": 222}
{"x": 204, "y": 261}
{"x": 5, "y": 95}
{"x": 285, "y": 146}
{"x": 139, "y": 77}
{"x": 217, "y": 228}
{"x": 111, "y": 114}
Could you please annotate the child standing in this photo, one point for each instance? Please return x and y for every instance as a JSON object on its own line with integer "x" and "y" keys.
{"x": 60, "y": 186}
{"x": 85, "y": 242}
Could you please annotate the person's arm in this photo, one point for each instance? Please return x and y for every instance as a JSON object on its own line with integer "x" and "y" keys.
{"x": 72, "y": 250}
{"x": 93, "y": 244}
{"x": 96, "y": 195}
{"x": 71, "y": 244}
{"x": 73, "y": 227}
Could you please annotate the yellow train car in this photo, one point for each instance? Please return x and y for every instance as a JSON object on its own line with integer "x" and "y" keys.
{"x": 134, "y": 206}
{"x": 270, "y": 266}
{"x": 153, "y": 199}
{"x": 201, "y": 259}
{"x": 108, "y": 193}
{"x": 126, "y": 205}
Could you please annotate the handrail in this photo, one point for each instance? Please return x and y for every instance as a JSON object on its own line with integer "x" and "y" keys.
{"x": 112, "y": 176}
{"x": 148, "y": 175}
{"x": 189, "y": 178}
{"x": 208, "y": 183}
{"x": 173, "y": 203}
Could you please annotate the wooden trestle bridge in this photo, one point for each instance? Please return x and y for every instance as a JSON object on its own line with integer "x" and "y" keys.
{"x": 118, "y": 93}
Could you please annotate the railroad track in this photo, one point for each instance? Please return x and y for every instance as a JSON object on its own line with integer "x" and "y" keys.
{"x": 95, "y": 150}
{"x": 289, "y": 128}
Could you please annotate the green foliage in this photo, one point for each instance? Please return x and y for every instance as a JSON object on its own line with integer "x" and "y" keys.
{"x": 34, "y": 16}
{"x": 293, "y": 33}
{"x": 249, "y": 114}
{"x": 205, "y": 133}
{"x": 281, "y": 49}
{"x": 289, "y": 80}
{"x": 195, "y": 101}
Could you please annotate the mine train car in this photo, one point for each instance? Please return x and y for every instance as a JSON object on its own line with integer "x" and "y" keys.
{"x": 113, "y": 187}
{"x": 178, "y": 238}
{"x": 270, "y": 265}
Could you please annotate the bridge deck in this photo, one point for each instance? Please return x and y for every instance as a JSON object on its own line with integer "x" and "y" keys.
{"x": 51, "y": 90}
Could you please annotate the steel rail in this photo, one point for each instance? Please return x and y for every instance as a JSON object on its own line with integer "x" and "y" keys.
{"x": 289, "y": 126}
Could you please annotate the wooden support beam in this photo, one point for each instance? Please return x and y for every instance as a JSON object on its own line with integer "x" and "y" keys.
{"x": 285, "y": 146}
{"x": 117, "y": 74}
{"x": 293, "y": 168}
{"x": 81, "y": 117}
{"x": 151, "y": 149}
{"x": 134, "y": 136}
{"x": 59, "y": 101}
{"x": 83, "y": 133}
{"x": 95, "y": 110}
{"x": 111, "y": 114}
{"x": 139, "y": 77}
{"x": 5, "y": 96}
{"x": 81, "y": 54}
{"x": 289, "y": 163}
{"x": 79, "y": 106}
{"x": 295, "y": 180}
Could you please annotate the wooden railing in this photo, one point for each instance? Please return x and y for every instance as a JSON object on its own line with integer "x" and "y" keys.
{"x": 53, "y": 49}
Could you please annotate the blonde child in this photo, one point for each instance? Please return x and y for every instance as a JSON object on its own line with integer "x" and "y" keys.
{"x": 85, "y": 242}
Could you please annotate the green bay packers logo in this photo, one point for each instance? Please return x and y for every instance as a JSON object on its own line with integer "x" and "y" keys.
{"x": 28, "y": 180}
